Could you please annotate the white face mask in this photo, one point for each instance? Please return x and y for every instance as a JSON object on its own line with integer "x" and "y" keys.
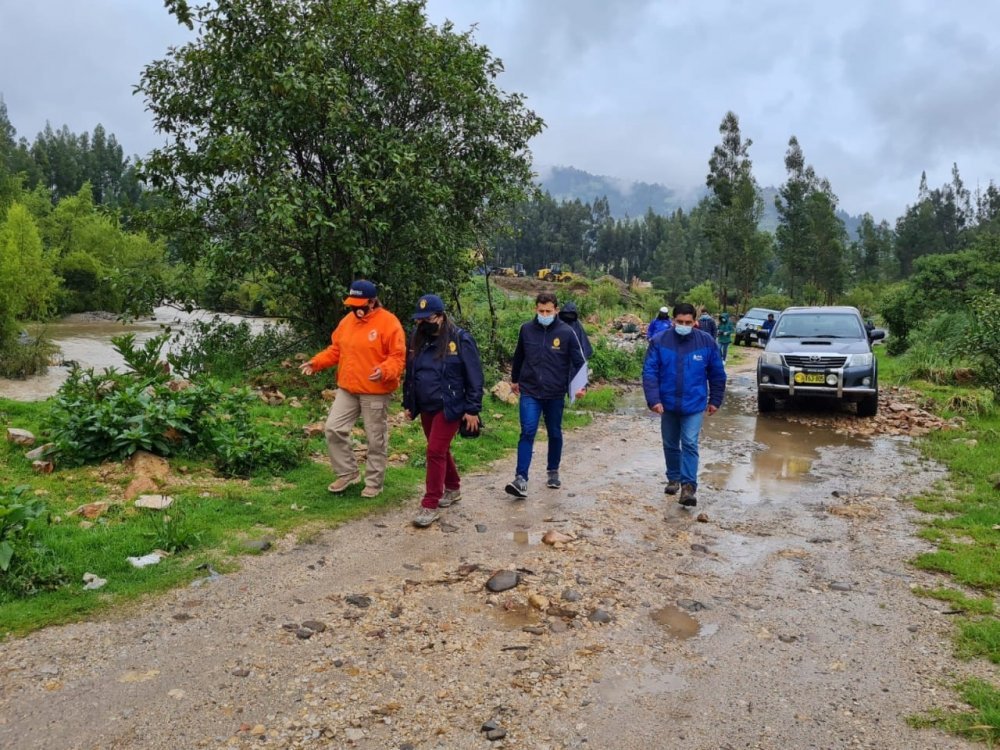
{"x": 546, "y": 320}
{"x": 683, "y": 330}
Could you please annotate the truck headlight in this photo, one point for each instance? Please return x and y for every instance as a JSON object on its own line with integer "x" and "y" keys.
{"x": 771, "y": 358}
{"x": 860, "y": 360}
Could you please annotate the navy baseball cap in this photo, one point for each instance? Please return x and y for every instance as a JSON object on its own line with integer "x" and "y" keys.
{"x": 361, "y": 293}
{"x": 429, "y": 304}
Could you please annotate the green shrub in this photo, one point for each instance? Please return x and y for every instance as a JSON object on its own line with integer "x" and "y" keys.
{"x": 224, "y": 349}
{"x": 935, "y": 348}
{"x": 612, "y": 363}
{"x": 26, "y": 566}
{"x": 112, "y": 415}
{"x": 703, "y": 295}
{"x": 980, "y": 341}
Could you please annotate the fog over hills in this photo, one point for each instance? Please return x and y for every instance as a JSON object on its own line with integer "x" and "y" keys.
{"x": 628, "y": 199}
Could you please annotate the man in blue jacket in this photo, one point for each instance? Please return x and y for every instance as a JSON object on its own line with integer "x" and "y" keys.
{"x": 547, "y": 359}
{"x": 683, "y": 377}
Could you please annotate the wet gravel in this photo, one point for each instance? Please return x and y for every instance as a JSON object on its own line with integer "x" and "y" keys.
{"x": 781, "y": 622}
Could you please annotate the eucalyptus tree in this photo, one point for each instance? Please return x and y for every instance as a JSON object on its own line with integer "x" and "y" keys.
{"x": 735, "y": 207}
{"x": 318, "y": 141}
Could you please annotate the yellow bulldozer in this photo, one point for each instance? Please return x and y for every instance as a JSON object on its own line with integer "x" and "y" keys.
{"x": 554, "y": 272}
{"x": 516, "y": 270}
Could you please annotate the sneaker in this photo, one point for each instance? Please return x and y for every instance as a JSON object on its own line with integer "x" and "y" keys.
{"x": 688, "y": 496}
{"x": 553, "y": 482}
{"x": 450, "y": 497}
{"x": 370, "y": 492}
{"x": 672, "y": 488}
{"x": 342, "y": 483}
{"x": 425, "y": 517}
{"x": 518, "y": 488}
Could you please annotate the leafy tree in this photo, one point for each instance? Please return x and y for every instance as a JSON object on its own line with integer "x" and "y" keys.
{"x": 828, "y": 272}
{"x": 329, "y": 140}
{"x": 25, "y": 272}
{"x": 734, "y": 211}
{"x": 871, "y": 253}
{"x": 792, "y": 235}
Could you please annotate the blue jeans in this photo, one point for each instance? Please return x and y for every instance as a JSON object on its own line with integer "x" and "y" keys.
{"x": 680, "y": 445}
{"x": 724, "y": 350}
{"x": 532, "y": 410}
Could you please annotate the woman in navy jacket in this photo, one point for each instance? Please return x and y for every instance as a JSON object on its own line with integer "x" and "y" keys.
{"x": 443, "y": 386}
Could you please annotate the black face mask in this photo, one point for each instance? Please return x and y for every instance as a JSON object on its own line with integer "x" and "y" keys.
{"x": 427, "y": 328}
{"x": 568, "y": 317}
{"x": 663, "y": 316}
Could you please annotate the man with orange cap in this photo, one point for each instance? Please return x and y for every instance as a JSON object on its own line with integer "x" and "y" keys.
{"x": 368, "y": 348}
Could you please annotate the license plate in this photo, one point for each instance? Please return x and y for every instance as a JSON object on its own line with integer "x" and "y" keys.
{"x": 753, "y": 335}
{"x": 810, "y": 377}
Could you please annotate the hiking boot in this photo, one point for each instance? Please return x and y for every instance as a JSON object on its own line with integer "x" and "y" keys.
{"x": 450, "y": 497}
{"x": 688, "y": 496}
{"x": 553, "y": 482}
{"x": 370, "y": 492}
{"x": 672, "y": 488}
{"x": 425, "y": 517}
{"x": 518, "y": 488}
{"x": 342, "y": 483}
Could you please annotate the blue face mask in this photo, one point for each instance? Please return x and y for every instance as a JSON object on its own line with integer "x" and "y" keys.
{"x": 546, "y": 320}
{"x": 683, "y": 330}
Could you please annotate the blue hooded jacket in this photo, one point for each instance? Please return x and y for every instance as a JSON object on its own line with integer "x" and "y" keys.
{"x": 454, "y": 381}
{"x": 684, "y": 373}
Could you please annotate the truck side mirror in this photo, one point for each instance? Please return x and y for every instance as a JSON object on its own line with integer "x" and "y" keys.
{"x": 875, "y": 334}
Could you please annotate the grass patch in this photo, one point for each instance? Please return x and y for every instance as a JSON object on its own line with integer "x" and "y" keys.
{"x": 211, "y": 518}
{"x": 982, "y": 723}
{"x": 964, "y": 527}
{"x": 978, "y": 605}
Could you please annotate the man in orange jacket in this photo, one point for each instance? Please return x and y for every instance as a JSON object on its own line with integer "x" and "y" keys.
{"x": 368, "y": 348}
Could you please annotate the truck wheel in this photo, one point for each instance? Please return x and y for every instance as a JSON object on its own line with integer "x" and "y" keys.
{"x": 868, "y": 406}
{"x": 765, "y": 402}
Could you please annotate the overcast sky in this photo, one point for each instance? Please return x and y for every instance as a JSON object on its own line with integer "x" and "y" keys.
{"x": 875, "y": 90}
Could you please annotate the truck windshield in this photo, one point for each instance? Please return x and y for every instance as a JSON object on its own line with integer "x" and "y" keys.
{"x": 819, "y": 326}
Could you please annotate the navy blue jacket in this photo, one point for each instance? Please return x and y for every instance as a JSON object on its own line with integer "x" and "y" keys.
{"x": 455, "y": 380}
{"x": 707, "y": 324}
{"x": 684, "y": 373}
{"x": 571, "y": 317}
{"x": 546, "y": 359}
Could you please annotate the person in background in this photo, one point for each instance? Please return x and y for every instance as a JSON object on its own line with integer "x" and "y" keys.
{"x": 569, "y": 315}
{"x": 767, "y": 327}
{"x": 683, "y": 378}
{"x": 368, "y": 348}
{"x": 547, "y": 359}
{"x": 658, "y": 324}
{"x": 444, "y": 387}
{"x": 725, "y": 335}
{"x": 706, "y": 323}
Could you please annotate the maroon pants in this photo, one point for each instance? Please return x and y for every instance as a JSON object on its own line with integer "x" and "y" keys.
{"x": 441, "y": 470}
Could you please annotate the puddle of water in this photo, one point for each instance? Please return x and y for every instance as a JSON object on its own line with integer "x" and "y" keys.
{"x": 85, "y": 339}
{"x": 516, "y": 617}
{"x": 678, "y": 623}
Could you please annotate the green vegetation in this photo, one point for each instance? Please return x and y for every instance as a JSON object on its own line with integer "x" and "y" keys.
{"x": 417, "y": 155}
{"x": 964, "y": 518}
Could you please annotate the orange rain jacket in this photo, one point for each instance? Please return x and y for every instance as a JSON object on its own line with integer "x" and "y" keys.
{"x": 358, "y": 346}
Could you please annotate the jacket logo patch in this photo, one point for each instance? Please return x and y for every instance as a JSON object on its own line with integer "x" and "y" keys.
{"x": 697, "y": 357}
{"x": 373, "y": 335}
{"x": 452, "y": 347}
{"x": 555, "y": 343}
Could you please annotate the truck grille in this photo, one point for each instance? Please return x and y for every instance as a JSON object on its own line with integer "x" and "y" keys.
{"x": 816, "y": 361}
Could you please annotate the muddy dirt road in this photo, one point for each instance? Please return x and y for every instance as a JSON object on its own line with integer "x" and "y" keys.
{"x": 784, "y": 620}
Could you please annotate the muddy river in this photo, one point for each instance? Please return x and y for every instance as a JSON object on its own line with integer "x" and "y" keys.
{"x": 85, "y": 338}
{"x": 776, "y": 615}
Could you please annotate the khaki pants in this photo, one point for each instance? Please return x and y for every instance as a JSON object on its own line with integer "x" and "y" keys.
{"x": 374, "y": 410}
